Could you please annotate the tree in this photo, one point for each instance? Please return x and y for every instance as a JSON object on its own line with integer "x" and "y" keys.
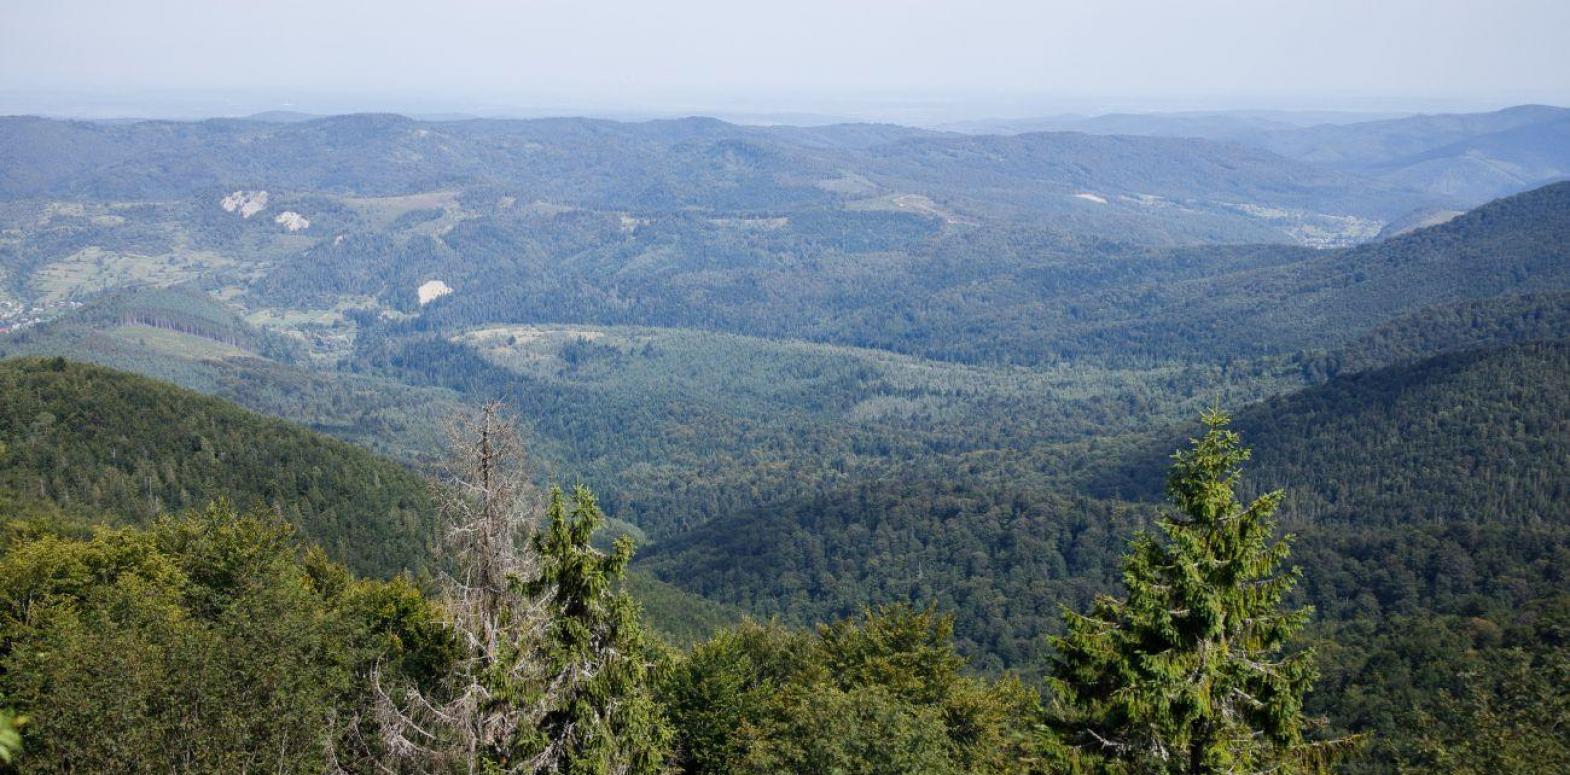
{"x": 209, "y": 642}
{"x": 719, "y": 695}
{"x": 483, "y": 718}
{"x": 600, "y": 715}
{"x": 554, "y": 672}
{"x": 1190, "y": 673}
{"x": 1512, "y": 718}
{"x": 884, "y": 692}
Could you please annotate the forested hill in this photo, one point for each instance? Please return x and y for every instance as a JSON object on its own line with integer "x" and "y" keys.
{"x": 1478, "y": 437}
{"x": 1470, "y": 325}
{"x": 1516, "y": 245}
{"x": 104, "y": 443}
{"x": 1155, "y": 188}
{"x": 653, "y": 165}
{"x": 972, "y": 296}
{"x": 1419, "y": 486}
{"x": 105, "y": 446}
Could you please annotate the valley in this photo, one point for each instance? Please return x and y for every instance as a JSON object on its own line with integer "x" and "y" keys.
{"x": 813, "y": 371}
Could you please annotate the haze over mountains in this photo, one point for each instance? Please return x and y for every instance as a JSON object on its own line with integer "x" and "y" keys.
{"x": 1160, "y": 188}
{"x": 1471, "y": 157}
{"x": 812, "y": 369}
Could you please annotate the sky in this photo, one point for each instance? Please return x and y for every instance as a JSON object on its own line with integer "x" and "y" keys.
{"x": 917, "y": 60}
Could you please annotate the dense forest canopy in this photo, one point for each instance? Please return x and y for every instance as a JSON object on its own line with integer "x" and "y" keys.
{"x": 98, "y": 442}
{"x": 901, "y": 396}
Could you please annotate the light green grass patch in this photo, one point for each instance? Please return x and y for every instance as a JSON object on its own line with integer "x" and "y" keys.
{"x": 381, "y": 211}
{"x": 93, "y": 269}
{"x": 176, "y": 343}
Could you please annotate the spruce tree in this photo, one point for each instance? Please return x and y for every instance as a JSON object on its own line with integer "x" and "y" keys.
{"x": 1189, "y": 673}
{"x": 601, "y": 716}
{"x": 484, "y": 717}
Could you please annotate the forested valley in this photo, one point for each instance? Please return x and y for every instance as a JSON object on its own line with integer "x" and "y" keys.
{"x": 586, "y": 446}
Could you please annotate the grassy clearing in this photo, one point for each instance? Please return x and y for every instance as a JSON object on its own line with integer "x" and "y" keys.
{"x": 379, "y": 212}
{"x": 182, "y": 345}
{"x": 93, "y": 269}
{"x": 764, "y": 379}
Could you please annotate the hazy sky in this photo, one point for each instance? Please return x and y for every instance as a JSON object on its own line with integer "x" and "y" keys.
{"x": 857, "y": 57}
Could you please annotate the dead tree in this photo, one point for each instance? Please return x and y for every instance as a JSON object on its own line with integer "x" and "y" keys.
{"x": 485, "y": 504}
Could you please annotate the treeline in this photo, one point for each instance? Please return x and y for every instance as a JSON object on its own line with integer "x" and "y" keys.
{"x": 905, "y": 283}
{"x": 212, "y": 642}
{"x": 98, "y": 442}
{"x": 690, "y": 426}
{"x": 217, "y": 641}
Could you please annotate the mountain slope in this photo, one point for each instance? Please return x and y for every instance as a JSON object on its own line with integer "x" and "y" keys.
{"x": 1002, "y": 559}
{"x": 183, "y": 336}
{"x": 1445, "y": 328}
{"x": 1028, "y": 169}
{"x": 110, "y": 443}
{"x": 106, "y": 446}
{"x": 1463, "y": 159}
{"x": 1412, "y": 488}
{"x": 1011, "y": 295}
{"x": 1373, "y": 143}
{"x": 1481, "y": 437}
{"x": 1159, "y": 189}
{"x": 1466, "y": 158}
{"x": 1474, "y": 437}
{"x": 1516, "y": 245}
{"x": 1481, "y": 168}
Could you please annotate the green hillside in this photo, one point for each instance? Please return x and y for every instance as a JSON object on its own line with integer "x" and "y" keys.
{"x": 691, "y": 425}
{"x": 813, "y": 372}
{"x": 1467, "y": 325}
{"x": 1393, "y": 476}
{"x": 1014, "y": 295}
{"x": 101, "y": 442}
{"x": 96, "y": 445}
{"x": 1428, "y": 502}
{"x": 1480, "y": 437}
{"x": 1517, "y": 245}
{"x": 186, "y": 337}
{"x": 1468, "y": 437}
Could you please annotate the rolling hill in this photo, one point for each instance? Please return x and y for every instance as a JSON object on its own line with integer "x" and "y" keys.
{"x": 93, "y": 445}
{"x": 820, "y": 369}
{"x": 1416, "y": 489}
{"x": 101, "y": 443}
{"x": 1462, "y": 159}
{"x": 183, "y": 336}
{"x": 1465, "y": 158}
{"x": 1374, "y": 143}
{"x": 1511, "y": 246}
{"x": 1153, "y": 189}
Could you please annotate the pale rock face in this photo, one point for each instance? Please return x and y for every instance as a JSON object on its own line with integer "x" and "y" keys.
{"x": 432, "y": 290}
{"x": 246, "y": 203}
{"x": 292, "y": 221}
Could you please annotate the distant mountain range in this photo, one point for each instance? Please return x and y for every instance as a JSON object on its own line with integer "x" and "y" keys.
{"x": 1149, "y": 189}
{"x": 1465, "y": 158}
{"x": 1206, "y": 124}
{"x": 812, "y": 369}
